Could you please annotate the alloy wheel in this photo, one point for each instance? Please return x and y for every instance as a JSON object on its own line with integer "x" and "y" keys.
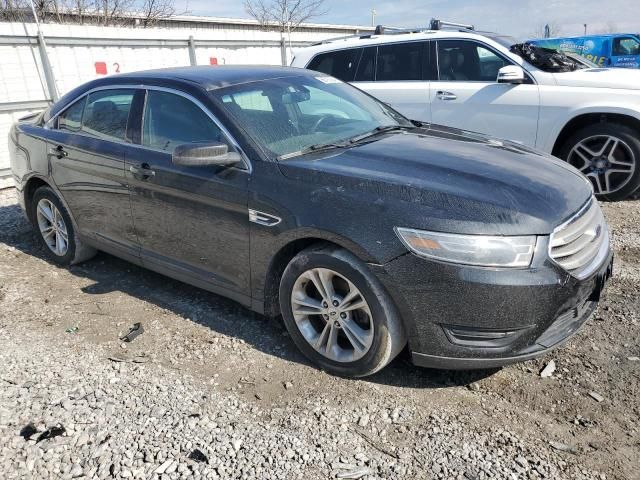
{"x": 607, "y": 161}
{"x": 52, "y": 227}
{"x": 332, "y": 315}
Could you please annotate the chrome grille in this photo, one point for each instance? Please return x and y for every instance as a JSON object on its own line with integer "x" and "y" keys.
{"x": 579, "y": 244}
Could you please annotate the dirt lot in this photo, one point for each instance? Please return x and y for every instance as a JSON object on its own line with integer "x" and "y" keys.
{"x": 209, "y": 376}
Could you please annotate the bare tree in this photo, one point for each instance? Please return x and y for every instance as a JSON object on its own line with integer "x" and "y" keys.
{"x": 113, "y": 12}
{"x": 285, "y": 15}
{"x": 101, "y": 12}
{"x": 81, "y": 8}
{"x": 155, "y": 10}
{"x": 14, "y": 10}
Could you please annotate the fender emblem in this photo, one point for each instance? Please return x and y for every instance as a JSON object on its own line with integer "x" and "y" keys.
{"x": 262, "y": 218}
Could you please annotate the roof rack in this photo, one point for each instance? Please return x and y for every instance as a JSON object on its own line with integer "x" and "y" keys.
{"x": 435, "y": 24}
{"x": 346, "y": 37}
{"x": 438, "y": 24}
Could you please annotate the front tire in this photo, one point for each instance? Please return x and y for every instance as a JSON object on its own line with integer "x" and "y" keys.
{"x": 338, "y": 313}
{"x": 55, "y": 229}
{"x": 609, "y": 155}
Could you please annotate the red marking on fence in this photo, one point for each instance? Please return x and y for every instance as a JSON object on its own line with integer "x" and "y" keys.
{"x": 101, "y": 68}
{"x": 213, "y": 61}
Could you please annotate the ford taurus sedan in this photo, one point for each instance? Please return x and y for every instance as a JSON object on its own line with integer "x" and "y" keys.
{"x": 298, "y": 195}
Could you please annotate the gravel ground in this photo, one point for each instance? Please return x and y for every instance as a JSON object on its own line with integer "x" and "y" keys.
{"x": 211, "y": 390}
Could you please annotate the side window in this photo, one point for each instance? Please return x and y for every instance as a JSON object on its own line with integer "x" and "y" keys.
{"x": 367, "y": 65}
{"x": 623, "y": 46}
{"x": 401, "y": 61}
{"x": 341, "y": 64}
{"x": 71, "y": 119}
{"x": 171, "y": 120}
{"x": 107, "y": 112}
{"x": 460, "y": 60}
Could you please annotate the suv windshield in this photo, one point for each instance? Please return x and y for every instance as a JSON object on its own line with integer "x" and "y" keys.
{"x": 546, "y": 59}
{"x": 293, "y": 115}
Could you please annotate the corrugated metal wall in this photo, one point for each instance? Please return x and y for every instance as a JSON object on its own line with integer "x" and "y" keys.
{"x": 80, "y": 53}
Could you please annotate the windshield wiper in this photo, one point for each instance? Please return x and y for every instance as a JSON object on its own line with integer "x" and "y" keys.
{"x": 378, "y": 131}
{"x": 319, "y": 147}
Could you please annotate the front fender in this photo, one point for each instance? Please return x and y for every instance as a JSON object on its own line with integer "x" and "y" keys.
{"x": 548, "y": 142}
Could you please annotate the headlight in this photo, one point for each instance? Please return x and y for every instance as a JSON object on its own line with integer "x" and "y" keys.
{"x": 481, "y": 250}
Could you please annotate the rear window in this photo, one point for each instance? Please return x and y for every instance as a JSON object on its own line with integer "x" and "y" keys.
{"x": 367, "y": 65}
{"x": 341, "y": 64}
{"x": 402, "y": 61}
{"x": 107, "y": 112}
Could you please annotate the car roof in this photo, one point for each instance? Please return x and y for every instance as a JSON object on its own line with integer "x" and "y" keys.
{"x": 215, "y": 76}
{"x": 373, "y": 39}
{"x": 200, "y": 77}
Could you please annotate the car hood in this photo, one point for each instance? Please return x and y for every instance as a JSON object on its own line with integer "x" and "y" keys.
{"x": 625, "y": 78}
{"x": 445, "y": 179}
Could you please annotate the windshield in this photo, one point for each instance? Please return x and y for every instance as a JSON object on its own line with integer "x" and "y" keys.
{"x": 546, "y": 59}
{"x": 291, "y": 115}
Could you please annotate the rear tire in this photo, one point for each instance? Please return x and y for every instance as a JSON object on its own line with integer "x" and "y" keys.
{"x": 609, "y": 155}
{"x": 55, "y": 230}
{"x": 338, "y": 313}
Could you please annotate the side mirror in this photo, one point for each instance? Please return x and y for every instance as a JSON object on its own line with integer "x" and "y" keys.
{"x": 511, "y": 74}
{"x": 204, "y": 154}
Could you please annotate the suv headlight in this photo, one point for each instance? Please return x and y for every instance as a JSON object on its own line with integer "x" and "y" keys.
{"x": 480, "y": 250}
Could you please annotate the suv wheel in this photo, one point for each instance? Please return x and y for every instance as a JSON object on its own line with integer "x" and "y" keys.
{"x": 338, "y": 313}
{"x": 608, "y": 154}
{"x": 56, "y": 232}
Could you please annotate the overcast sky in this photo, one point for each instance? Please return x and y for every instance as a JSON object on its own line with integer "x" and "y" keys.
{"x": 520, "y": 18}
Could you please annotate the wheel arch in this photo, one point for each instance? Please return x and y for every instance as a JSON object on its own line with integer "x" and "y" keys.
{"x": 279, "y": 263}
{"x": 29, "y": 189}
{"x": 294, "y": 243}
{"x": 591, "y": 118}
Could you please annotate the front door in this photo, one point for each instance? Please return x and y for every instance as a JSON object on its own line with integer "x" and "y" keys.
{"x": 467, "y": 95}
{"x": 192, "y": 222}
{"x": 86, "y": 145}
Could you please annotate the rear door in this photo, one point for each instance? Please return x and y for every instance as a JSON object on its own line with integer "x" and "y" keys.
{"x": 397, "y": 74}
{"x": 192, "y": 222}
{"x": 467, "y": 95}
{"x": 86, "y": 145}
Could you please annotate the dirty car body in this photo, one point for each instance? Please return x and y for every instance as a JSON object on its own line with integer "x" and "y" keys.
{"x": 487, "y": 251}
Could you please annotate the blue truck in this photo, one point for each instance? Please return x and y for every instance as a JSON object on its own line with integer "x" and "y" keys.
{"x": 608, "y": 50}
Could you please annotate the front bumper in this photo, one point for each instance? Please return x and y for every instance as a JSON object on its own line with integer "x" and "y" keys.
{"x": 461, "y": 317}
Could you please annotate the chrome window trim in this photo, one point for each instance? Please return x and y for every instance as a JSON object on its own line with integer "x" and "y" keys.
{"x": 145, "y": 87}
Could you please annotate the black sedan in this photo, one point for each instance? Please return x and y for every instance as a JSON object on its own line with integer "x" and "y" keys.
{"x": 298, "y": 195}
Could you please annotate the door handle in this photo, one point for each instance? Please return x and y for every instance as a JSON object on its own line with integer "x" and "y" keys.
{"x": 142, "y": 172}
{"x": 59, "y": 152}
{"x": 442, "y": 95}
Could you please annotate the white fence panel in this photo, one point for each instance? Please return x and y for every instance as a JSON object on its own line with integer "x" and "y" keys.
{"x": 20, "y": 74}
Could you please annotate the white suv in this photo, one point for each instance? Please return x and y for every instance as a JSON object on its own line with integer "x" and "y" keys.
{"x": 487, "y": 83}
